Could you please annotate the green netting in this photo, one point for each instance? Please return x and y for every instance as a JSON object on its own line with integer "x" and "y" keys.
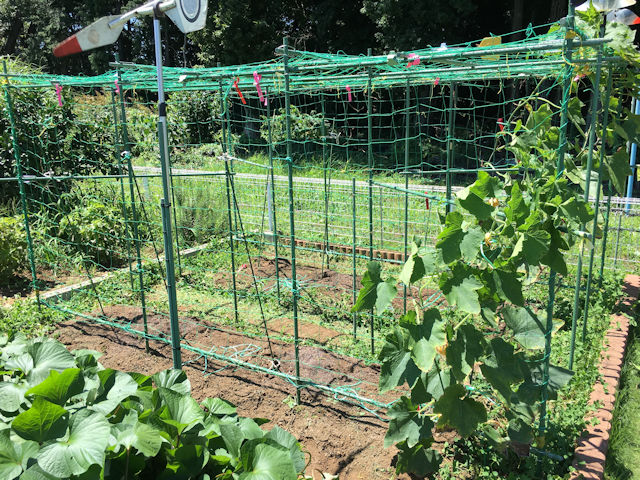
{"x": 356, "y": 157}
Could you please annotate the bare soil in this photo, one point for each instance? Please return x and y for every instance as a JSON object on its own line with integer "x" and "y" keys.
{"x": 339, "y": 438}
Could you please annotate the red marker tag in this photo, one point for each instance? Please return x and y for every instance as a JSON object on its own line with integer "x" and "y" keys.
{"x": 437, "y": 81}
{"x": 59, "y": 93}
{"x": 426, "y": 200}
{"x": 235, "y": 85}
{"x": 117, "y": 86}
{"x": 501, "y": 124}
{"x": 348, "y": 93}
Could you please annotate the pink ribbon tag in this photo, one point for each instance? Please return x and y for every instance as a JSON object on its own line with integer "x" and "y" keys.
{"x": 437, "y": 81}
{"x": 256, "y": 81}
{"x": 59, "y": 93}
{"x": 414, "y": 60}
{"x": 348, "y": 93}
{"x": 117, "y": 86}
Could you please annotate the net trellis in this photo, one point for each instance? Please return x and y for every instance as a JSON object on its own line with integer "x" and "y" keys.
{"x": 358, "y": 155}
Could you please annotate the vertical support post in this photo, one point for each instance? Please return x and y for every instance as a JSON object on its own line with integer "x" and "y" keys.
{"x": 562, "y": 148}
{"x": 294, "y": 279}
{"x": 370, "y": 166}
{"x": 273, "y": 195}
{"x": 407, "y": 143}
{"x": 453, "y": 93}
{"x": 118, "y": 154}
{"x": 232, "y": 246}
{"x": 325, "y": 168}
{"x": 134, "y": 210}
{"x": 594, "y": 230}
{"x": 605, "y": 235}
{"x": 632, "y": 163}
{"x": 353, "y": 250}
{"x": 165, "y": 202}
{"x": 615, "y": 255}
{"x": 595, "y": 100}
{"x": 23, "y": 194}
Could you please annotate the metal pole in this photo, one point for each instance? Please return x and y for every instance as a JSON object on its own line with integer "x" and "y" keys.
{"x": 118, "y": 153}
{"x": 134, "y": 210}
{"x": 370, "y": 166}
{"x": 325, "y": 249}
{"x": 595, "y": 99}
{"x": 231, "y": 242}
{"x": 273, "y": 195}
{"x": 353, "y": 250}
{"x": 407, "y": 131}
{"x": 294, "y": 279}
{"x": 615, "y": 255}
{"x": 450, "y": 140}
{"x": 23, "y": 193}
{"x": 165, "y": 202}
{"x": 605, "y": 235}
{"x": 562, "y": 147}
{"x": 594, "y": 231}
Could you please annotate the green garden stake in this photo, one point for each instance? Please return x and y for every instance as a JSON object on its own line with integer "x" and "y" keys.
{"x": 615, "y": 255}
{"x": 450, "y": 141}
{"x": 354, "y": 317}
{"x": 370, "y": 166}
{"x": 595, "y": 100}
{"x": 23, "y": 194}
{"x": 407, "y": 131}
{"x": 232, "y": 247}
{"x": 594, "y": 231}
{"x": 118, "y": 154}
{"x": 562, "y": 147}
{"x": 325, "y": 168}
{"x": 605, "y": 235}
{"x": 273, "y": 194}
{"x": 289, "y": 159}
{"x": 165, "y": 203}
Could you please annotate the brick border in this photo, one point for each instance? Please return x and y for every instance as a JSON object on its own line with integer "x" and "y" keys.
{"x": 591, "y": 451}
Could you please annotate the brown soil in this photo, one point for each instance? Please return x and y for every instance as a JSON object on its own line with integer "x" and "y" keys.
{"x": 19, "y": 286}
{"x": 339, "y": 438}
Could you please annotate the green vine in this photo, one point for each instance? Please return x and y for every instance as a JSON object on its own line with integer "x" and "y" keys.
{"x": 503, "y": 233}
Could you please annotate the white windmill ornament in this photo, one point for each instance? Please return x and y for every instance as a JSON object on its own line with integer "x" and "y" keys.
{"x": 605, "y": 5}
{"x": 188, "y": 15}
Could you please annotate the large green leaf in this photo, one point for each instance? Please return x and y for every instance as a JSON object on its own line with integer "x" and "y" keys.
{"x": 375, "y": 292}
{"x": 503, "y": 368}
{"x": 528, "y": 328}
{"x": 508, "y": 286}
{"x": 427, "y": 337}
{"x": 465, "y": 350}
{"x": 474, "y": 204}
{"x": 60, "y": 387}
{"x": 267, "y": 462}
{"x": 618, "y": 169}
{"x": 450, "y": 238}
{"x": 285, "y": 439}
{"x": 218, "y": 406}
{"x": 470, "y": 245}
{"x": 86, "y": 445}
{"x": 532, "y": 387}
{"x": 517, "y": 210}
{"x": 459, "y": 411}
{"x": 460, "y": 289}
{"x": 406, "y": 424}
{"x": 173, "y": 379}
{"x": 395, "y": 357}
{"x": 419, "y": 460}
{"x": 533, "y": 245}
{"x": 43, "y": 421}
{"x": 131, "y": 433}
{"x": 14, "y": 456}
{"x": 182, "y": 411}
{"x": 47, "y": 355}
{"x": 115, "y": 386}
{"x": 12, "y": 396}
{"x": 421, "y": 262}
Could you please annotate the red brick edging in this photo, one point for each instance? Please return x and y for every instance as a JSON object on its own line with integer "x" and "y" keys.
{"x": 591, "y": 452}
